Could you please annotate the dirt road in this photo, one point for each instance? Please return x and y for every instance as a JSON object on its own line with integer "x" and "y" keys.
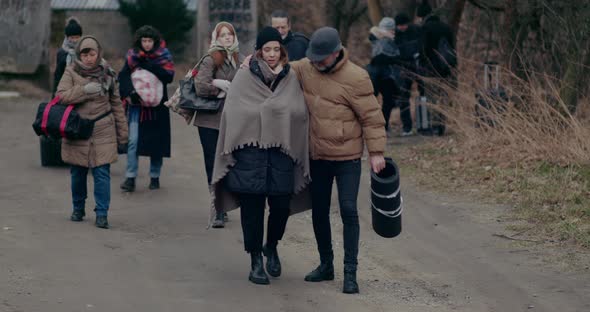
{"x": 158, "y": 256}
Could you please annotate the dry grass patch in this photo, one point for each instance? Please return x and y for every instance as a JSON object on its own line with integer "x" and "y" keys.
{"x": 528, "y": 151}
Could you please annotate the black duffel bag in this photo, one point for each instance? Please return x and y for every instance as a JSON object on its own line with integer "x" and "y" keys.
{"x": 60, "y": 121}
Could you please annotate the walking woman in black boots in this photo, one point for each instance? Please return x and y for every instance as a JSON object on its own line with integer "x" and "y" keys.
{"x": 262, "y": 152}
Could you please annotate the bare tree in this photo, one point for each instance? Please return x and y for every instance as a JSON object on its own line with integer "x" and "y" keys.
{"x": 375, "y": 11}
{"x": 342, "y": 14}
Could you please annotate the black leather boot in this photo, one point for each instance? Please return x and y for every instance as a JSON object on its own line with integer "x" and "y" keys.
{"x": 218, "y": 223}
{"x": 350, "y": 285}
{"x": 102, "y": 222}
{"x": 154, "y": 183}
{"x": 324, "y": 272}
{"x": 128, "y": 185}
{"x": 78, "y": 215}
{"x": 258, "y": 275}
{"x": 273, "y": 263}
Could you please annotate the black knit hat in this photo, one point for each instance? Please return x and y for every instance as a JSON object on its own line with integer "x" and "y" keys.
{"x": 267, "y": 34}
{"x": 424, "y": 9}
{"x": 402, "y": 19}
{"x": 73, "y": 28}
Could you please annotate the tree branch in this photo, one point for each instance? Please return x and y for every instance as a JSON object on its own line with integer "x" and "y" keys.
{"x": 483, "y": 6}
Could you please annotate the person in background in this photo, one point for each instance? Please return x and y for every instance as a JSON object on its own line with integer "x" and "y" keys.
{"x": 66, "y": 53}
{"x": 438, "y": 60}
{"x": 216, "y": 72}
{"x": 383, "y": 73}
{"x": 90, "y": 85}
{"x": 407, "y": 39}
{"x": 149, "y": 127}
{"x": 295, "y": 43}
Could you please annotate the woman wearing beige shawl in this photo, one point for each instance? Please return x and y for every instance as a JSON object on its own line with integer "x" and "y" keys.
{"x": 262, "y": 152}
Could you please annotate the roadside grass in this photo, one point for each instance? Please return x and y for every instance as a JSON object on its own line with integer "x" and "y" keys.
{"x": 551, "y": 203}
{"x": 525, "y": 150}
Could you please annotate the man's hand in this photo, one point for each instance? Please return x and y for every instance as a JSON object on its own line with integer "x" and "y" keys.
{"x": 246, "y": 62}
{"x": 377, "y": 163}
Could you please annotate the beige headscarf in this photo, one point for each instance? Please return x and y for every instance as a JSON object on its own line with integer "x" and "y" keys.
{"x": 101, "y": 70}
{"x": 217, "y": 46}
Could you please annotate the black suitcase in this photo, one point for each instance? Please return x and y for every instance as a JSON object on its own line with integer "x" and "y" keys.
{"x": 50, "y": 149}
{"x": 423, "y": 117}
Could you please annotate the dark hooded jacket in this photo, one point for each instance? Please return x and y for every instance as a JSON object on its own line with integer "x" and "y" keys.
{"x": 433, "y": 32}
{"x": 296, "y": 45}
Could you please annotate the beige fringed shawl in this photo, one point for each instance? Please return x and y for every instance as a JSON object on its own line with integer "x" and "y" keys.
{"x": 254, "y": 115}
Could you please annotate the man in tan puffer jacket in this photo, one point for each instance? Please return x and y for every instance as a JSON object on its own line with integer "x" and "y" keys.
{"x": 344, "y": 114}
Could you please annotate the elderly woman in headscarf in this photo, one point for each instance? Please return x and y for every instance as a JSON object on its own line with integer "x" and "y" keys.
{"x": 263, "y": 151}
{"x": 149, "y": 126}
{"x": 89, "y": 83}
{"x": 216, "y": 71}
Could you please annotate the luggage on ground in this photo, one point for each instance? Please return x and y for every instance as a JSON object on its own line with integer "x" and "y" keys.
{"x": 423, "y": 117}
{"x": 492, "y": 101}
{"x": 50, "y": 150}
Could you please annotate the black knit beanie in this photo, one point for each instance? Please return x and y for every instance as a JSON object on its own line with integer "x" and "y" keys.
{"x": 424, "y": 9}
{"x": 402, "y": 19}
{"x": 267, "y": 34}
{"x": 73, "y": 28}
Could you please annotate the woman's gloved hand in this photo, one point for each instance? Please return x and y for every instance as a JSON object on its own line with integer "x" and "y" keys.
{"x": 93, "y": 88}
{"x": 221, "y": 84}
{"x": 122, "y": 148}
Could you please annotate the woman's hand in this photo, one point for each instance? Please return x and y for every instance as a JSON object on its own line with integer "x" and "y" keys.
{"x": 93, "y": 88}
{"x": 221, "y": 84}
{"x": 246, "y": 63}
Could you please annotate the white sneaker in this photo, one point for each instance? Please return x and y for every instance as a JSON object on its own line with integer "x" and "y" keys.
{"x": 407, "y": 133}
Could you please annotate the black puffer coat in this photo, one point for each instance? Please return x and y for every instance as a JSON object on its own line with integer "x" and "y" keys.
{"x": 408, "y": 43}
{"x": 262, "y": 171}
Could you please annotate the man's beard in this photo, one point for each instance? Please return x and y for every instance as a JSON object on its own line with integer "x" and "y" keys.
{"x": 324, "y": 69}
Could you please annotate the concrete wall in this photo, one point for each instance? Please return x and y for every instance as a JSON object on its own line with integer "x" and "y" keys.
{"x": 24, "y": 34}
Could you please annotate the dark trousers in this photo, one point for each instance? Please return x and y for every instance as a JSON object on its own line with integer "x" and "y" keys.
{"x": 387, "y": 88}
{"x": 252, "y": 216}
{"x": 208, "y": 138}
{"x": 347, "y": 175}
{"x": 403, "y": 100}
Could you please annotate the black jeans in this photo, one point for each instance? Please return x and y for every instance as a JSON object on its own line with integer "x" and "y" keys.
{"x": 347, "y": 175}
{"x": 387, "y": 88}
{"x": 403, "y": 100}
{"x": 252, "y": 215}
{"x": 208, "y": 138}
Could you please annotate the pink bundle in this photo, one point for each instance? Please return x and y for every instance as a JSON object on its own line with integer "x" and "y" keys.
{"x": 148, "y": 87}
